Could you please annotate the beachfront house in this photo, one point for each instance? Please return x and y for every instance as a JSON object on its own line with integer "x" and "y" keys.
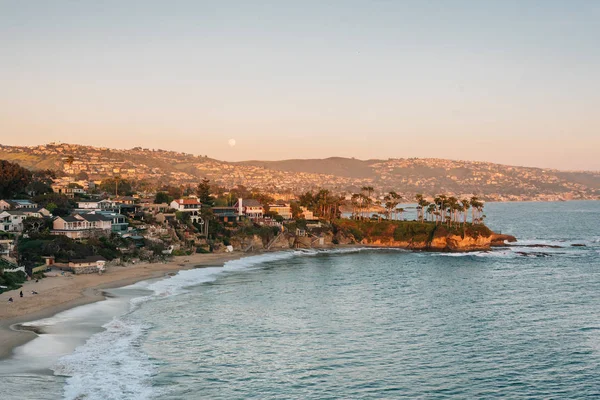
{"x": 250, "y": 208}
{"x": 188, "y": 205}
{"x": 87, "y": 265}
{"x": 79, "y": 226}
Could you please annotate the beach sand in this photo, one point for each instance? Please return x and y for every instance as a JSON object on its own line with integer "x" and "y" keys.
{"x": 56, "y": 294}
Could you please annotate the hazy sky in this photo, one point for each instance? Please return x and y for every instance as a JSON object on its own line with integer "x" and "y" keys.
{"x": 516, "y": 82}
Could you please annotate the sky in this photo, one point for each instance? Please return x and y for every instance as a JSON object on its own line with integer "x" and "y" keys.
{"x": 514, "y": 82}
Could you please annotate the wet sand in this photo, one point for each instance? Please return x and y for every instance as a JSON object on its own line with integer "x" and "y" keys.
{"x": 59, "y": 293}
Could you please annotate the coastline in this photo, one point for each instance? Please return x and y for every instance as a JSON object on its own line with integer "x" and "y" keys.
{"x": 57, "y": 294}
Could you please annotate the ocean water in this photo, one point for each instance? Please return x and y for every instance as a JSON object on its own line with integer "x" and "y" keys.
{"x": 515, "y": 322}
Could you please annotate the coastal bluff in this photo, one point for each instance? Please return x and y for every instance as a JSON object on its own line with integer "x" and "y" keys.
{"x": 425, "y": 236}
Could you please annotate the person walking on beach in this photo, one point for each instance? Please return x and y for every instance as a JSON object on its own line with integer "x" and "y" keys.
{"x": 21, "y": 294}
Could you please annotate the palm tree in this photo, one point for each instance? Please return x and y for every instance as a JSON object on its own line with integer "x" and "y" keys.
{"x": 392, "y": 199}
{"x": 476, "y": 209}
{"x": 431, "y": 208}
{"x": 355, "y": 204}
{"x": 400, "y": 211}
{"x": 419, "y": 197}
{"x": 465, "y": 206}
{"x": 452, "y": 208}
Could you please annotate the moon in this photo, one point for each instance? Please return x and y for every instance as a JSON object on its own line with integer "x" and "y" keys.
{"x": 231, "y": 142}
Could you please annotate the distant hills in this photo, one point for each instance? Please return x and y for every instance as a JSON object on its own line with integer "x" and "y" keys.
{"x": 408, "y": 176}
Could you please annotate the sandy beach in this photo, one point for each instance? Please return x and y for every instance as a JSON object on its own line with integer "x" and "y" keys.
{"x": 59, "y": 293}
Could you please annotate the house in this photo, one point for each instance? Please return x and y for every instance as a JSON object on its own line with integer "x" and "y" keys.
{"x": 80, "y": 226}
{"x": 5, "y": 205}
{"x": 38, "y": 212}
{"x": 125, "y": 200}
{"x": 190, "y": 205}
{"x": 21, "y": 204}
{"x": 12, "y": 220}
{"x": 96, "y": 205}
{"x": 87, "y": 265}
{"x": 307, "y": 214}
{"x": 119, "y": 222}
{"x": 16, "y": 204}
{"x": 155, "y": 208}
{"x": 226, "y": 214}
{"x": 284, "y": 210}
{"x": 250, "y": 208}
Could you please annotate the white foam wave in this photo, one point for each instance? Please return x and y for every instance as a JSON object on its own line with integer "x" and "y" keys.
{"x": 491, "y": 254}
{"x": 109, "y": 365}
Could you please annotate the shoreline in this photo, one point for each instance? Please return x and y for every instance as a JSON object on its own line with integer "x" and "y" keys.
{"x": 61, "y": 293}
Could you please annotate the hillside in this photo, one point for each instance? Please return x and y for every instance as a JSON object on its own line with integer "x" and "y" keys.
{"x": 407, "y": 176}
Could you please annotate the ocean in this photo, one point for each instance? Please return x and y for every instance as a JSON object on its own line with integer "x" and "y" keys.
{"x": 515, "y": 322}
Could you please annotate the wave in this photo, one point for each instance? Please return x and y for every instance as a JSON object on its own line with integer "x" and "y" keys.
{"x": 110, "y": 365}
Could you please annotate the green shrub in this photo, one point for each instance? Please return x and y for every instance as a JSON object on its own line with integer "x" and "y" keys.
{"x": 12, "y": 279}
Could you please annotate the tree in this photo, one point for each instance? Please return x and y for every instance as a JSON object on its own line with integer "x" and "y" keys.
{"x": 296, "y": 210}
{"x": 33, "y": 225}
{"x": 117, "y": 186}
{"x": 421, "y": 204}
{"x": 204, "y": 195}
{"x": 466, "y": 204}
{"x": 60, "y": 204}
{"x": 476, "y": 209}
{"x": 13, "y": 179}
{"x": 82, "y": 176}
{"x": 162, "y": 197}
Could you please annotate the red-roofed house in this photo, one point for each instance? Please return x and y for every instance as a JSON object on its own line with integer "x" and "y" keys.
{"x": 190, "y": 205}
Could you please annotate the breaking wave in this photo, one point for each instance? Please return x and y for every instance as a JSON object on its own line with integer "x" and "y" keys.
{"x": 112, "y": 365}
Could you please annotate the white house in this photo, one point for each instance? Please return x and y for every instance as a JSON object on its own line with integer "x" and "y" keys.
{"x": 80, "y": 226}
{"x": 191, "y": 206}
{"x": 251, "y": 208}
{"x": 96, "y": 205}
{"x": 12, "y": 220}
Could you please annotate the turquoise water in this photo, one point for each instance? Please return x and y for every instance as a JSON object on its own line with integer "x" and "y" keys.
{"x": 518, "y": 322}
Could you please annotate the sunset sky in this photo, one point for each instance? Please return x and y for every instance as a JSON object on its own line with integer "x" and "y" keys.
{"x": 515, "y": 82}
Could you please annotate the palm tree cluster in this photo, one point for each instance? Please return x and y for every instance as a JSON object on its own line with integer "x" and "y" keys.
{"x": 449, "y": 209}
{"x": 323, "y": 203}
{"x": 362, "y": 202}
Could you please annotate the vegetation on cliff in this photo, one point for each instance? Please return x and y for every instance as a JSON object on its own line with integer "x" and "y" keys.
{"x": 409, "y": 233}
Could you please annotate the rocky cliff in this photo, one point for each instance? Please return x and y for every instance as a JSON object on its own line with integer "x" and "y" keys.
{"x": 420, "y": 236}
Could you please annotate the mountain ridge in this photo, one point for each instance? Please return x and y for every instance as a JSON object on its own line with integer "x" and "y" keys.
{"x": 340, "y": 174}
